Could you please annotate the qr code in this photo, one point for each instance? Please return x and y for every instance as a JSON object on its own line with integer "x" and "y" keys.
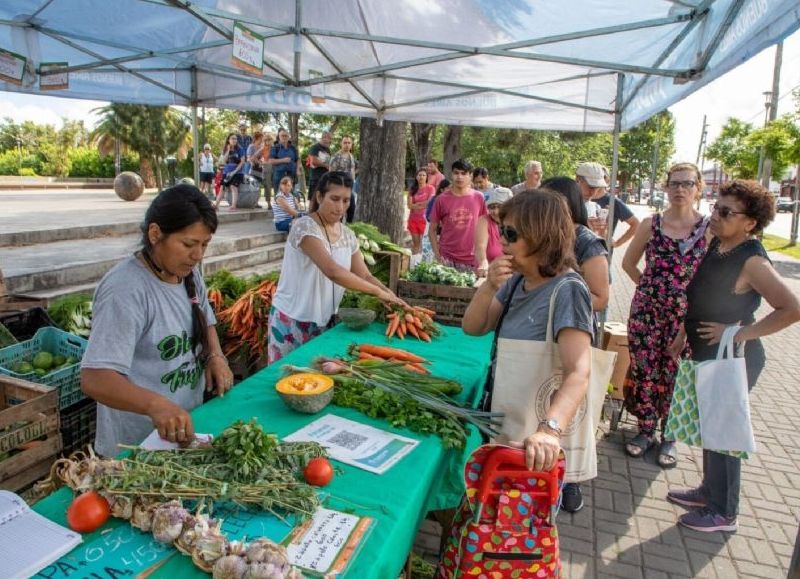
{"x": 348, "y": 440}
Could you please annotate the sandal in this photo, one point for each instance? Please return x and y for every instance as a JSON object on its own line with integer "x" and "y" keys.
{"x": 667, "y": 454}
{"x": 638, "y": 445}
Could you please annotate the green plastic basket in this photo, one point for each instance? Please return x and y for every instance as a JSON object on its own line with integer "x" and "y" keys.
{"x": 57, "y": 342}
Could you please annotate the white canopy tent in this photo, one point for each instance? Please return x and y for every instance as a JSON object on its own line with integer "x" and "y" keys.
{"x": 577, "y": 65}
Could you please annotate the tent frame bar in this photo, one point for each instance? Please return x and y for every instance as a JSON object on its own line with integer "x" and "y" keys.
{"x": 730, "y": 16}
{"x": 489, "y": 90}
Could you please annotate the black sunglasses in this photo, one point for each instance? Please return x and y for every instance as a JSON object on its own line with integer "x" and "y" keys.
{"x": 725, "y": 212}
{"x": 509, "y": 233}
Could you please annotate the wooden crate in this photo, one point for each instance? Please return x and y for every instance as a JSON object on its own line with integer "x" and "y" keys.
{"x": 615, "y": 339}
{"x": 447, "y": 301}
{"x": 28, "y": 412}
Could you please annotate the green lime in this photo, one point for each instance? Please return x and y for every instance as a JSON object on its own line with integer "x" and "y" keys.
{"x": 24, "y": 368}
{"x": 71, "y": 360}
{"x": 59, "y": 360}
{"x": 43, "y": 361}
{"x": 40, "y": 371}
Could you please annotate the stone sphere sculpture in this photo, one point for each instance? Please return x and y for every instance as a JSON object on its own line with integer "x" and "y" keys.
{"x": 128, "y": 186}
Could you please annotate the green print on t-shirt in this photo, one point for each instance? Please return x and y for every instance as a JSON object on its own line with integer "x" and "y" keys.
{"x": 173, "y": 346}
{"x": 188, "y": 373}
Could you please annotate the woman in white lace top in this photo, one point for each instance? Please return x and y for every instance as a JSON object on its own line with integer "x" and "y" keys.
{"x": 321, "y": 259}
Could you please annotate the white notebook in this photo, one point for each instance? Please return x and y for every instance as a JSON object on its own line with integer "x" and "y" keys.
{"x": 44, "y": 541}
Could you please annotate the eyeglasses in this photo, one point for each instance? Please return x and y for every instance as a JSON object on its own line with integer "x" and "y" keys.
{"x": 678, "y": 184}
{"x": 509, "y": 233}
{"x": 725, "y": 212}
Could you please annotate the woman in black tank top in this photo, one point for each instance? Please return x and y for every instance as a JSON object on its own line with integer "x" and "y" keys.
{"x": 725, "y": 291}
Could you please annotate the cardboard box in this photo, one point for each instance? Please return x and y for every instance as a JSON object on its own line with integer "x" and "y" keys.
{"x": 615, "y": 339}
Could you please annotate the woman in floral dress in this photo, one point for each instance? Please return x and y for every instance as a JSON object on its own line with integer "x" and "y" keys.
{"x": 673, "y": 244}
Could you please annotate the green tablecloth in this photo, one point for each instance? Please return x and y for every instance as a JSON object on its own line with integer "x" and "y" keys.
{"x": 428, "y": 478}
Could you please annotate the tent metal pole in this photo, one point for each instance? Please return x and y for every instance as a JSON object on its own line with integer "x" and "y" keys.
{"x": 298, "y": 38}
{"x": 490, "y": 90}
{"x": 592, "y": 32}
{"x": 730, "y": 16}
{"x": 702, "y": 12}
{"x": 615, "y": 162}
{"x": 195, "y": 136}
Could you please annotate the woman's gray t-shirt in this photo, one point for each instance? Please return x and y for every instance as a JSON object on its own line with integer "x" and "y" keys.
{"x": 142, "y": 328}
{"x": 588, "y": 244}
{"x": 527, "y": 315}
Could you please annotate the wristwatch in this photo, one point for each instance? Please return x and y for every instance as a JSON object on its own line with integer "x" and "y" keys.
{"x": 552, "y": 425}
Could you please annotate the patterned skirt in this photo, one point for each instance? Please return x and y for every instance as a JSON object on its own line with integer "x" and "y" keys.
{"x": 286, "y": 334}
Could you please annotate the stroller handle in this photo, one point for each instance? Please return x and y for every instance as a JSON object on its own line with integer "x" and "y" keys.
{"x": 511, "y": 462}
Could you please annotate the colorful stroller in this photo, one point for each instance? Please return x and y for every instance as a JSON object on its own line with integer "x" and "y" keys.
{"x": 505, "y": 525}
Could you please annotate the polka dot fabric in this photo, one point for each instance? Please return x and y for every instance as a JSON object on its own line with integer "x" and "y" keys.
{"x": 511, "y": 535}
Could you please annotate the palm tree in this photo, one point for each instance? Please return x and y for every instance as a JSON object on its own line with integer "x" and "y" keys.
{"x": 152, "y": 132}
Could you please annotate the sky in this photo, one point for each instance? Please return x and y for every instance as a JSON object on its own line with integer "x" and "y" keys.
{"x": 736, "y": 94}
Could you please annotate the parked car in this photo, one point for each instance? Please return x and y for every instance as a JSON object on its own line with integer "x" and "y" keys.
{"x": 656, "y": 201}
{"x": 785, "y": 204}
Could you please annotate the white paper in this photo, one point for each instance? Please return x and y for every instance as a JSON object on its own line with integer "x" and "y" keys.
{"x": 356, "y": 444}
{"x": 155, "y": 442}
{"x": 12, "y": 66}
{"x": 319, "y": 546}
{"x": 248, "y": 48}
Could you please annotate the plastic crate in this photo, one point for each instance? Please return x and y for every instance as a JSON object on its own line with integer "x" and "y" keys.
{"x": 24, "y": 325}
{"x": 55, "y": 341}
{"x": 78, "y": 425}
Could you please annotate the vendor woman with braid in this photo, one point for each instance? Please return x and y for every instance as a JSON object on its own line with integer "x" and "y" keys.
{"x": 153, "y": 347}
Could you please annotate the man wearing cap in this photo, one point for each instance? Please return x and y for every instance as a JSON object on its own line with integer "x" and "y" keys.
{"x": 245, "y": 140}
{"x": 592, "y": 180}
{"x": 487, "y": 232}
{"x": 206, "y": 169}
{"x": 533, "y": 178}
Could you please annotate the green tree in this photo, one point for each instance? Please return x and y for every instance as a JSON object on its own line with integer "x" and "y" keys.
{"x": 777, "y": 138}
{"x": 735, "y": 153}
{"x": 151, "y": 132}
{"x": 638, "y": 148}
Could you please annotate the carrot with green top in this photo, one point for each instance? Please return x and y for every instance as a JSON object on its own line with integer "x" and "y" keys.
{"x": 388, "y": 353}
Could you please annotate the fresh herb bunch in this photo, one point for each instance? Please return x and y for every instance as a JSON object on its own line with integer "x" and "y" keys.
{"x": 73, "y": 314}
{"x": 437, "y": 273}
{"x": 246, "y": 447}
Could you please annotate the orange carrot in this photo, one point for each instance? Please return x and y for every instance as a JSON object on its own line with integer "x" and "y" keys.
{"x": 388, "y": 353}
{"x": 412, "y": 329}
{"x": 423, "y": 335}
{"x": 416, "y": 368}
{"x": 393, "y": 324}
{"x": 365, "y": 356}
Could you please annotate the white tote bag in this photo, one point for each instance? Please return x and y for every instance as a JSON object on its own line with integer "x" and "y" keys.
{"x": 527, "y": 374}
{"x": 723, "y": 400}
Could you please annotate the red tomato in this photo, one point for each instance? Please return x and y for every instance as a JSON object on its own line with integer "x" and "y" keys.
{"x": 88, "y": 512}
{"x": 318, "y": 472}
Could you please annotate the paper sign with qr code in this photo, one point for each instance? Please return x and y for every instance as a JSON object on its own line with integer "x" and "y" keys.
{"x": 356, "y": 444}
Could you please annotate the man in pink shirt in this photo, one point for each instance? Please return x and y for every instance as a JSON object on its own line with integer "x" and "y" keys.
{"x": 434, "y": 175}
{"x": 457, "y": 210}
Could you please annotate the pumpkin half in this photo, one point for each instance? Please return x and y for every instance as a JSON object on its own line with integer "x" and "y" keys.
{"x": 308, "y": 393}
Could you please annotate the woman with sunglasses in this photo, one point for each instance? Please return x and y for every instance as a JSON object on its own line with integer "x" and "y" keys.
{"x": 673, "y": 244}
{"x": 537, "y": 264}
{"x": 727, "y": 290}
{"x": 322, "y": 258}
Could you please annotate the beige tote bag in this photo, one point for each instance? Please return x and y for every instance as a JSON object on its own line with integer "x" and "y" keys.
{"x": 527, "y": 373}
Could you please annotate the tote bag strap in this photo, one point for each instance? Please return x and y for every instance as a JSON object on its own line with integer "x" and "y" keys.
{"x": 486, "y": 400}
{"x": 726, "y": 347}
{"x": 563, "y": 282}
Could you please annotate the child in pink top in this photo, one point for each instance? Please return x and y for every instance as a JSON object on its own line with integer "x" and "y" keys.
{"x": 418, "y": 197}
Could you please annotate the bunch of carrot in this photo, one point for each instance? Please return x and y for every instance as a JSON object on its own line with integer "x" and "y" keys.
{"x": 216, "y": 299}
{"x": 247, "y": 321}
{"x": 384, "y": 354}
{"x": 415, "y": 321}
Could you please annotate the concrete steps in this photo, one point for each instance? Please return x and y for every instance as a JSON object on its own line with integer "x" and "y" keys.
{"x": 50, "y": 270}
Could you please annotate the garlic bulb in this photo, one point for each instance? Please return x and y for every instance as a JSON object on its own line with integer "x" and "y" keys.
{"x": 263, "y": 571}
{"x": 192, "y": 526}
{"x": 142, "y": 516}
{"x": 121, "y": 505}
{"x": 168, "y": 522}
{"x": 265, "y": 551}
{"x": 210, "y": 545}
{"x": 293, "y": 573}
{"x": 230, "y": 567}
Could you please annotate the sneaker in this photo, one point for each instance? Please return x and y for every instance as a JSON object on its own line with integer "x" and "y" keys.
{"x": 571, "y": 498}
{"x": 707, "y": 521}
{"x": 688, "y": 498}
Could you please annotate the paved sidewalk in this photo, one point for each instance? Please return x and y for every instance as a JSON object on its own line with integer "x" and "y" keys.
{"x": 628, "y": 529}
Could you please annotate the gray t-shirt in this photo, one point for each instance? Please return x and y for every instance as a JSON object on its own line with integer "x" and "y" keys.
{"x": 142, "y": 328}
{"x": 527, "y": 316}
{"x": 588, "y": 244}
